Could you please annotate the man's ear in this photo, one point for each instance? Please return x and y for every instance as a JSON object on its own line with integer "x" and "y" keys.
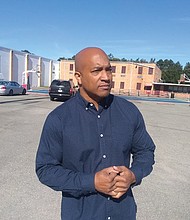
{"x": 78, "y": 77}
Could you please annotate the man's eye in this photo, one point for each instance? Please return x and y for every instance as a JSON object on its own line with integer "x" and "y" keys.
{"x": 109, "y": 69}
{"x": 96, "y": 71}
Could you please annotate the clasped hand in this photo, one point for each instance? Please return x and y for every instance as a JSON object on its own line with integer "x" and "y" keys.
{"x": 114, "y": 181}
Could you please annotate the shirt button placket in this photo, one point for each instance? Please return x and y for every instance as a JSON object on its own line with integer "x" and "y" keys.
{"x": 104, "y": 156}
{"x": 101, "y": 135}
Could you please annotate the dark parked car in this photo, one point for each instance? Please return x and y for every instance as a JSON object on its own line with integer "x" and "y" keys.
{"x": 61, "y": 89}
{"x": 11, "y": 88}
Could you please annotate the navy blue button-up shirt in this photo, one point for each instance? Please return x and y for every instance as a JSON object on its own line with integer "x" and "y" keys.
{"x": 77, "y": 141}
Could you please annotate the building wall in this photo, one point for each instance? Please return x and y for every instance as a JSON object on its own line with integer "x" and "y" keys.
{"x": 23, "y": 67}
{"x": 45, "y": 68}
{"x": 128, "y": 77}
{"x": 134, "y": 78}
{"x": 33, "y": 62}
{"x": 18, "y": 66}
{"x": 67, "y": 70}
{"x": 55, "y": 71}
{"x": 4, "y": 63}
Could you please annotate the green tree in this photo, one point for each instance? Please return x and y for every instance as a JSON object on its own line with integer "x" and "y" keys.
{"x": 123, "y": 60}
{"x": 116, "y": 59}
{"x": 143, "y": 61}
{"x": 137, "y": 60}
{"x": 152, "y": 60}
{"x": 170, "y": 71}
{"x": 61, "y": 58}
{"x": 186, "y": 69}
{"x": 110, "y": 56}
{"x": 27, "y": 51}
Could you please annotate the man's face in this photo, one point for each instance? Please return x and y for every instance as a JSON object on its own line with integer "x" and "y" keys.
{"x": 96, "y": 77}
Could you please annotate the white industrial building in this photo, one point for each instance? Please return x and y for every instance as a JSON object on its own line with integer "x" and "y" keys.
{"x": 27, "y": 69}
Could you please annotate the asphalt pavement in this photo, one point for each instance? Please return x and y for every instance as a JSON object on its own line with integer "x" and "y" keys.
{"x": 164, "y": 195}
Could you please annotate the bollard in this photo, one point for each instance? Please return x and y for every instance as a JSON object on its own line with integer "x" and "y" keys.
{"x": 172, "y": 95}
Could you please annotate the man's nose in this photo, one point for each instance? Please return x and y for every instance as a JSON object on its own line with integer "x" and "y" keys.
{"x": 106, "y": 75}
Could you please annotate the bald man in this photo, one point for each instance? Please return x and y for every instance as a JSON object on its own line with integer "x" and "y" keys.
{"x": 86, "y": 146}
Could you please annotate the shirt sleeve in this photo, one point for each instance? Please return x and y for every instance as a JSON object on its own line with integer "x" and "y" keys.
{"x": 142, "y": 151}
{"x": 49, "y": 167}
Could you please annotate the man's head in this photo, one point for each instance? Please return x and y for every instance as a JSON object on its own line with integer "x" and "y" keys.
{"x": 93, "y": 74}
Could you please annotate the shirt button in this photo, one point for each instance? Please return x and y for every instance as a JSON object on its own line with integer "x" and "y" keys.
{"x": 109, "y": 217}
{"x": 104, "y": 156}
{"x": 86, "y": 108}
{"x": 91, "y": 104}
{"x": 101, "y": 135}
{"x": 98, "y": 116}
{"x": 108, "y": 198}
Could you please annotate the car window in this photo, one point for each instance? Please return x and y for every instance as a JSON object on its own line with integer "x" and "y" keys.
{"x": 12, "y": 83}
{"x": 61, "y": 83}
{"x": 55, "y": 82}
{"x": 3, "y": 83}
{"x": 65, "y": 84}
{"x": 16, "y": 84}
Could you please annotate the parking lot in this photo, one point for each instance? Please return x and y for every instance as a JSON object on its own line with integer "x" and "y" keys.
{"x": 164, "y": 195}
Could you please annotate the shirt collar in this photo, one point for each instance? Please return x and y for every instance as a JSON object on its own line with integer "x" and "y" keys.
{"x": 105, "y": 103}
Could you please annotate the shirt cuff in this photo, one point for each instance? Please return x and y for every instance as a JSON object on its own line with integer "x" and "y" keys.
{"x": 87, "y": 183}
{"x": 138, "y": 175}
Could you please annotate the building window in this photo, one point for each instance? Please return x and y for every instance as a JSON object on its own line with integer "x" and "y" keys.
{"x": 122, "y": 84}
{"x": 71, "y": 67}
{"x": 140, "y": 70}
{"x": 113, "y": 84}
{"x": 150, "y": 71}
{"x": 123, "y": 69}
{"x": 113, "y": 69}
{"x": 138, "y": 86}
{"x": 147, "y": 87}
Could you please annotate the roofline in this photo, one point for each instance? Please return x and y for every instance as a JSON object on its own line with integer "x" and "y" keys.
{"x": 170, "y": 84}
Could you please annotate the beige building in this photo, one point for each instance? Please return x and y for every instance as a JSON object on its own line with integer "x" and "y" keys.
{"x": 128, "y": 77}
